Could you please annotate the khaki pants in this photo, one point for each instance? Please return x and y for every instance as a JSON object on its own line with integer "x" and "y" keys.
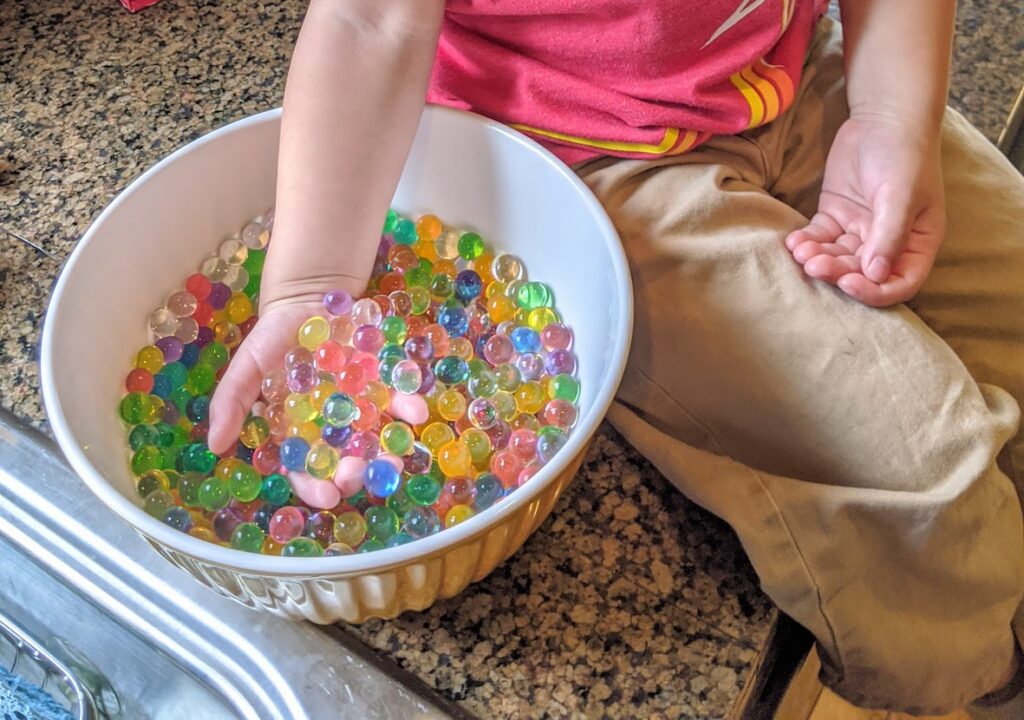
{"x": 863, "y": 456}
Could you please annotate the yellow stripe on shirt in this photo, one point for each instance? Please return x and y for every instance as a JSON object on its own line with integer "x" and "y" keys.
{"x": 666, "y": 144}
{"x": 752, "y": 98}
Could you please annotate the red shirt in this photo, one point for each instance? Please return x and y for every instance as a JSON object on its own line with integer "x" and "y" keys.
{"x": 632, "y": 78}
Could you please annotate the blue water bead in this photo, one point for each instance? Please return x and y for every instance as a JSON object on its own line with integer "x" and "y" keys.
{"x": 399, "y": 538}
{"x": 453, "y": 318}
{"x": 161, "y": 386}
{"x": 421, "y": 521}
{"x": 451, "y": 370}
{"x": 381, "y": 478}
{"x": 488, "y": 490}
{"x": 243, "y": 453}
{"x": 189, "y": 355}
{"x": 293, "y": 453}
{"x": 468, "y": 285}
{"x": 178, "y": 518}
{"x": 526, "y": 340}
{"x": 336, "y": 437}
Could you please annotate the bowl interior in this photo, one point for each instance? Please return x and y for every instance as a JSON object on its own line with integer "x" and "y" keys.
{"x": 473, "y": 173}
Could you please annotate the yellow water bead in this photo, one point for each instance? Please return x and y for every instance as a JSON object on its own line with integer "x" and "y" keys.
{"x": 530, "y": 397}
{"x": 313, "y": 332}
{"x": 435, "y": 435}
{"x": 454, "y": 459}
{"x": 451, "y": 405}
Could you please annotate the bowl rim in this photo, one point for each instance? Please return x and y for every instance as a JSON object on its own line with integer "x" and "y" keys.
{"x": 359, "y": 563}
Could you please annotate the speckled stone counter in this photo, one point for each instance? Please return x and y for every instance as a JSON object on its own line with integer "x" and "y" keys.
{"x": 629, "y": 601}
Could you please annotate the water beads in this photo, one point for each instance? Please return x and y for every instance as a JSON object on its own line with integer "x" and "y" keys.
{"x": 443, "y": 389}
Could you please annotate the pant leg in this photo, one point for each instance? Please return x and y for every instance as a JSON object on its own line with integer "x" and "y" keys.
{"x": 849, "y": 447}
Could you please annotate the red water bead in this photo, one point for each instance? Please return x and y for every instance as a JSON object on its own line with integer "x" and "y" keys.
{"x": 384, "y": 302}
{"x": 461, "y": 490}
{"x": 389, "y": 282}
{"x": 369, "y": 415}
{"x": 219, "y": 372}
{"x": 368, "y": 362}
{"x": 330, "y": 356}
{"x": 247, "y": 326}
{"x": 402, "y": 258}
{"x": 246, "y": 509}
{"x": 203, "y": 314}
{"x": 199, "y": 285}
{"x": 231, "y": 451}
{"x": 352, "y": 379}
{"x": 266, "y": 459}
{"x": 139, "y": 380}
{"x": 443, "y": 505}
{"x": 225, "y": 521}
{"x": 462, "y": 424}
{"x": 507, "y": 466}
{"x": 415, "y": 325}
{"x": 199, "y": 431}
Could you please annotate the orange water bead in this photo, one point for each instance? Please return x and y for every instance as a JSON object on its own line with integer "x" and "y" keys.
{"x": 501, "y": 308}
{"x": 446, "y": 267}
{"x": 342, "y": 329}
{"x": 377, "y": 393}
{"x": 425, "y": 250}
{"x": 204, "y": 533}
{"x": 461, "y": 347}
{"x": 454, "y": 459}
{"x": 482, "y": 266}
{"x": 227, "y": 333}
{"x": 369, "y": 415}
{"x": 439, "y": 337}
{"x": 390, "y": 282}
{"x": 308, "y": 431}
{"x": 428, "y": 227}
{"x": 277, "y": 417}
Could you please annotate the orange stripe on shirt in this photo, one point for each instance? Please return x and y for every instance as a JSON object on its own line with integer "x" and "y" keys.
{"x": 782, "y": 81}
{"x": 666, "y": 144}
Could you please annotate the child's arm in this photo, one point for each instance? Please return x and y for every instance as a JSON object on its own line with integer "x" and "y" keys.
{"x": 355, "y": 91}
{"x": 881, "y": 216}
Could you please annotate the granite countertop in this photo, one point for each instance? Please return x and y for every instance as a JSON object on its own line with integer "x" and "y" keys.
{"x": 629, "y": 601}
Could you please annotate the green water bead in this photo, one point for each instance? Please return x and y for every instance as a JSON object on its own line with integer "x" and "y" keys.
{"x": 146, "y": 458}
{"x": 164, "y": 435}
{"x": 381, "y": 522}
{"x": 394, "y": 329}
{"x": 370, "y": 545}
{"x": 405, "y": 232}
{"x": 254, "y": 262}
{"x": 340, "y": 409}
{"x": 200, "y": 379}
{"x": 247, "y": 536}
{"x": 151, "y": 481}
{"x": 397, "y": 437}
{"x": 564, "y": 387}
{"x": 214, "y": 354}
{"x": 176, "y": 374}
{"x": 180, "y": 397}
{"x": 245, "y": 483}
{"x": 417, "y": 278}
{"x": 214, "y": 494}
{"x": 423, "y": 489}
{"x": 170, "y": 456}
{"x": 442, "y": 286}
{"x": 390, "y": 221}
{"x": 419, "y": 296}
{"x": 139, "y": 407}
{"x": 142, "y": 435}
{"x": 173, "y": 476}
{"x": 198, "y": 458}
{"x": 302, "y": 547}
{"x": 399, "y": 502}
{"x": 188, "y": 487}
{"x": 534, "y": 294}
{"x": 157, "y": 503}
{"x": 386, "y": 369}
{"x": 252, "y": 288}
{"x": 471, "y": 246}
{"x": 275, "y": 489}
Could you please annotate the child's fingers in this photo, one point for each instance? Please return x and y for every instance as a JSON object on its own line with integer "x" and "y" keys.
{"x": 893, "y": 216}
{"x": 821, "y": 229}
{"x": 235, "y": 394}
{"x": 805, "y": 251}
{"x": 829, "y": 268}
{"x": 894, "y": 290}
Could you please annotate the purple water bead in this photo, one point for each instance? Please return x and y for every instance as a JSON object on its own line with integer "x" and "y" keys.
{"x": 530, "y": 366}
{"x": 336, "y": 437}
{"x": 219, "y": 296}
{"x": 171, "y": 347}
{"x": 301, "y": 378}
{"x": 338, "y": 302}
{"x": 204, "y": 337}
{"x": 560, "y": 361}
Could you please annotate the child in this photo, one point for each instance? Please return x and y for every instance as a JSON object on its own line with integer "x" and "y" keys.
{"x": 843, "y": 391}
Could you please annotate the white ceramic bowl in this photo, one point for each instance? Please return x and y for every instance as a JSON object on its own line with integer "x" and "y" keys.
{"x": 473, "y": 173}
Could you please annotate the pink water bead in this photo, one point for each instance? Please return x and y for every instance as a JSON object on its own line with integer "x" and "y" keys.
{"x": 286, "y": 524}
{"x": 556, "y": 336}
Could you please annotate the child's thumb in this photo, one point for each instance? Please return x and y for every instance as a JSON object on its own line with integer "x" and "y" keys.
{"x": 893, "y": 216}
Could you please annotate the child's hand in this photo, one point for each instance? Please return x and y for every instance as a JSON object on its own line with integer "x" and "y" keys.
{"x": 881, "y": 215}
{"x": 261, "y": 351}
